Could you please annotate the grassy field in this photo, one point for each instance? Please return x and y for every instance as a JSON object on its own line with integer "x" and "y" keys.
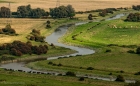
{"x": 79, "y": 5}
{"x": 105, "y": 34}
{"x": 9, "y": 78}
{"x": 98, "y": 38}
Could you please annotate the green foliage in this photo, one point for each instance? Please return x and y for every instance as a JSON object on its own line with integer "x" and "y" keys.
{"x": 120, "y": 78}
{"x": 7, "y": 30}
{"x": 90, "y": 68}
{"x": 108, "y": 50}
{"x": 48, "y": 24}
{"x": 35, "y": 36}
{"x": 81, "y": 79}
{"x": 19, "y": 48}
{"x": 137, "y": 7}
{"x": 138, "y": 73}
{"x": 138, "y": 50}
{"x": 131, "y": 51}
{"x": 62, "y": 12}
{"x": 133, "y": 17}
{"x": 27, "y": 11}
{"x": 5, "y": 12}
{"x": 69, "y": 73}
{"x": 90, "y": 17}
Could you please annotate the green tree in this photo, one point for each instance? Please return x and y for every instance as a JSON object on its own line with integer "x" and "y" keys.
{"x": 5, "y": 12}
{"x": 70, "y": 11}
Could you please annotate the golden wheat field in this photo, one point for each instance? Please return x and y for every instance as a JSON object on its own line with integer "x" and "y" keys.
{"x": 23, "y": 28}
{"x": 79, "y": 5}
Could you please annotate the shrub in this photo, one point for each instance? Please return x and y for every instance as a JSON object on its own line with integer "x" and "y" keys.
{"x": 108, "y": 50}
{"x": 50, "y": 63}
{"x": 130, "y": 51}
{"x": 120, "y": 78}
{"x": 69, "y": 73}
{"x": 138, "y": 50}
{"x": 138, "y": 73}
{"x": 121, "y": 71}
{"x": 110, "y": 73}
{"x": 90, "y": 68}
{"x": 81, "y": 79}
{"x": 59, "y": 64}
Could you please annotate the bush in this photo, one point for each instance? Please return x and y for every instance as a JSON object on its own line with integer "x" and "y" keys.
{"x": 81, "y": 79}
{"x": 131, "y": 51}
{"x": 69, "y": 73}
{"x": 120, "y": 78}
{"x": 50, "y": 63}
{"x": 90, "y": 68}
{"x": 138, "y": 50}
{"x": 108, "y": 50}
{"x": 59, "y": 64}
{"x": 138, "y": 73}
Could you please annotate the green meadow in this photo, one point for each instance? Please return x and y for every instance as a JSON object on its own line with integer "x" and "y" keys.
{"x": 101, "y": 36}
{"x": 10, "y": 78}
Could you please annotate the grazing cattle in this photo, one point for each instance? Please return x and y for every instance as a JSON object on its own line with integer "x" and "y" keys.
{"x": 114, "y": 26}
{"x": 120, "y": 27}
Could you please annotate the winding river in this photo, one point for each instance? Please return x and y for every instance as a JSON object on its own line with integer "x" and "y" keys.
{"x": 53, "y": 38}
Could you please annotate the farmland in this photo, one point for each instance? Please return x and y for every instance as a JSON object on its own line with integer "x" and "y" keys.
{"x": 115, "y": 43}
{"x": 79, "y": 5}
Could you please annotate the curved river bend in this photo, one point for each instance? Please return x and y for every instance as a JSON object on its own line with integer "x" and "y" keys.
{"x": 53, "y": 38}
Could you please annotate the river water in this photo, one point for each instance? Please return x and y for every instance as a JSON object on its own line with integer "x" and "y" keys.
{"x": 53, "y": 38}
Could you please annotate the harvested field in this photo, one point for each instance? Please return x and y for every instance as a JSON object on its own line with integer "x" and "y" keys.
{"x": 79, "y": 5}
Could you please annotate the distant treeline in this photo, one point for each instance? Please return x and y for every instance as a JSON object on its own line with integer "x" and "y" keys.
{"x": 28, "y": 12}
{"x": 18, "y": 48}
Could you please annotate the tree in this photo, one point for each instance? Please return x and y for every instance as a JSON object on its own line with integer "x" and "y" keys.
{"x": 120, "y": 78}
{"x": 5, "y": 12}
{"x": 48, "y": 24}
{"x": 22, "y": 12}
{"x": 90, "y": 17}
{"x": 62, "y": 12}
{"x": 70, "y": 11}
{"x": 27, "y": 11}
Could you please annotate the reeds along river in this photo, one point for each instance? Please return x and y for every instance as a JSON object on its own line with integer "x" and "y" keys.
{"x": 53, "y": 38}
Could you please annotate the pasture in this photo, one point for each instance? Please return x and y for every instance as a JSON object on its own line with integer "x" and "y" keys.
{"x": 79, "y": 5}
{"x": 28, "y": 79}
{"x": 98, "y": 36}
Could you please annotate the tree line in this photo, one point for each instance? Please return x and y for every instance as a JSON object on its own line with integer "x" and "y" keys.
{"x": 18, "y": 48}
{"x": 28, "y": 12}
{"x": 62, "y": 12}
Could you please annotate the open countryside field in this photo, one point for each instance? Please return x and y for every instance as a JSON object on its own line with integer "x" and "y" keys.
{"x": 23, "y": 28}
{"x": 99, "y": 37}
{"x": 79, "y": 5}
{"x": 115, "y": 62}
{"x": 27, "y": 79}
